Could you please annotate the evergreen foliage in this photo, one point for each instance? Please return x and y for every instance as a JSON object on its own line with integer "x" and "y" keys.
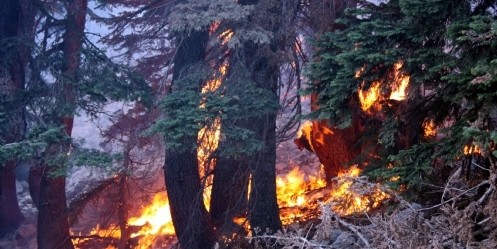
{"x": 99, "y": 82}
{"x": 241, "y": 100}
{"x": 448, "y": 50}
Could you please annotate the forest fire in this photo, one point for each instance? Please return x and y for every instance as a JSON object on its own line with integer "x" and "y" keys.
{"x": 154, "y": 219}
{"x": 429, "y": 129}
{"x": 471, "y": 149}
{"x": 150, "y": 227}
{"x": 293, "y": 196}
{"x": 208, "y": 136}
{"x": 368, "y": 98}
{"x": 398, "y": 82}
{"x": 299, "y": 194}
{"x": 346, "y": 199}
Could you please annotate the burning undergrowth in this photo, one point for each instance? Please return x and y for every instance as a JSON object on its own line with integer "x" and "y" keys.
{"x": 300, "y": 195}
{"x": 137, "y": 219}
{"x": 464, "y": 218}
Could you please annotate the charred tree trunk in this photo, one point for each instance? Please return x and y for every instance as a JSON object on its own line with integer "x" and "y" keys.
{"x": 229, "y": 197}
{"x": 334, "y": 147}
{"x": 261, "y": 62}
{"x": 190, "y": 218}
{"x": 263, "y": 206}
{"x": 53, "y": 226}
{"x": 123, "y": 212}
{"x": 11, "y": 84}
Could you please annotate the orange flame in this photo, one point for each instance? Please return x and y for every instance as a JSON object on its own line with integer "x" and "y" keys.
{"x": 154, "y": 222}
{"x": 292, "y": 189}
{"x": 298, "y": 195}
{"x": 398, "y": 84}
{"x": 155, "y": 219}
{"x": 429, "y": 128}
{"x": 346, "y": 200}
{"x": 226, "y": 36}
{"x": 471, "y": 149}
{"x": 368, "y": 98}
{"x": 401, "y": 81}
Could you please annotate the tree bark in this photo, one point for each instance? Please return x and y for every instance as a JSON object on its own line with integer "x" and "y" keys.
{"x": 229, "y": 196}
{"x": 263, "y": 207}
{"x": 262, "y": 64}
{"x": 190, "y": 219}
{"x": 53, "y": 226}
{"x": 335, "y": 147}
{"x": 10, "y": 214}
{"x": 12, "y": 82}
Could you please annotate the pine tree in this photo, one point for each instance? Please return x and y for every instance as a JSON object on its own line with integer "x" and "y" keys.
{"x": 433, "y": 43}
{"x": 11, "y": 116}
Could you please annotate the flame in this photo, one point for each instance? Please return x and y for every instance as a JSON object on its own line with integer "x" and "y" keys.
{"x": 401, "y": 81}
{"x": 155, "y": 219}
{"x": 298, "y": 195}
{"x": 154, "y": 223}
{"x": 471, "y": 149}
{"x": 367, "y": 98}
{"x": 398, "y": 82}
{"x": 291, "y": 190}
{"x": 346, "y": 200}
{"x": 429, "y": 128}
{"x": 359, "y": 72}
{"x": 208, "y": 136}
{"x": 226, "y": 36}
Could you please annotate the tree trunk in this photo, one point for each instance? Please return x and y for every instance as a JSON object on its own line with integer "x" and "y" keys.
{"x": 263, "y": 206}
{"x": 10, "y": 214}
{"x": 335, "y": 147}
{"x": 262, "y": 63}
{"x": 34, "y": 182}
{"x": 123, "y": 210}
{"x": 190, "y": 219}
{"x": 229, "y": 197}
{"x": 11, "y": 83}
{"x": 53, "y": 226}
{"x": 123, "y": 191}
{"x": 184, "y": 191}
